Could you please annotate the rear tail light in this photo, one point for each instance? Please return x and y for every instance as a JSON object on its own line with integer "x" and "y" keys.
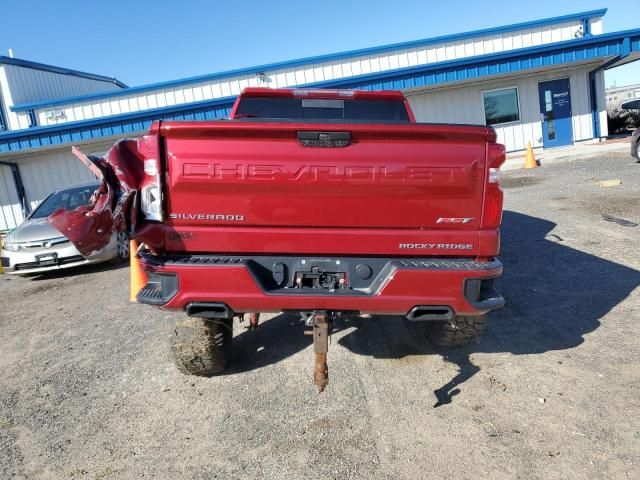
{"x": 496, "y": 155}
{"x": 150, "y": 189}
{"x": 151, "y": 203}
{"x": 492, "y": 209}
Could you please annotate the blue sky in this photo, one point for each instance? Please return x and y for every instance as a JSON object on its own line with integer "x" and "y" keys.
{"x": 143, "y": 41}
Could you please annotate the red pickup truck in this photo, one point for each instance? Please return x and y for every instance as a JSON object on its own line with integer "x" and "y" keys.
{"x": 320, "y": 202}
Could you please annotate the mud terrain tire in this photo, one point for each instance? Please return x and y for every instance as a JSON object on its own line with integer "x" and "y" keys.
{"x": 453, "y": 333}
{"x": 459, "y": 331}
{"x": 200, "y": 346}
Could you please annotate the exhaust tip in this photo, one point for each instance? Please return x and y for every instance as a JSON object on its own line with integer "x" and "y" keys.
{"x": 430, "y": 313}
{"x": 209, "y": 310}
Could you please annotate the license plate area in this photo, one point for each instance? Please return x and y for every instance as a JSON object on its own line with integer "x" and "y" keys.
{"x": 47, "y": 259}
{"x": 320, "y": 279}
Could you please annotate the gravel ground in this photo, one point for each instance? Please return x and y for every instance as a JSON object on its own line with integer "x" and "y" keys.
{"x": 551, "y": 391}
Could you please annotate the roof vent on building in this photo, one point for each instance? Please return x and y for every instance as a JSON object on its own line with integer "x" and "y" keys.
{"x": 262, "y": 78}
{"x": 55, "y": 114}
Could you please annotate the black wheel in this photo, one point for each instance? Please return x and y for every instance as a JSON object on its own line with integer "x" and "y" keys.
{"x": 200, "y": 346}
{"x": 459, "y": 331}
{"x": 638, "y": 150}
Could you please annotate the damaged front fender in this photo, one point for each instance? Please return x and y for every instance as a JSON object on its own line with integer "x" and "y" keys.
{"x": 115, "y": 204}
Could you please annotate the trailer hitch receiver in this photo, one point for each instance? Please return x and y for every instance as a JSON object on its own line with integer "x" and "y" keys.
{"x": 321, "y": 324}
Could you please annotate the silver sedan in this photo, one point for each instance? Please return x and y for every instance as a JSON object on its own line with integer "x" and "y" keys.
{"x": 35, "y": 246}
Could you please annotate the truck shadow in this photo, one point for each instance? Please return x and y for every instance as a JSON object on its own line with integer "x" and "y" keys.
{"x": 86, "y": 269}
{"x": 555, "y": 296}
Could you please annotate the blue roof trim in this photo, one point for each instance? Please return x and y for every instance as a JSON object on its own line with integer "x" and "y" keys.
{"x": 174, "y": 109}
{"x": 316, "y": 59}
{"x": 609, "y": 44}
{"x": 121, "y": 125}
{"x": 63, "y": 71}
{"x": 561, "y": 53}
{"x": 496, "y": 66}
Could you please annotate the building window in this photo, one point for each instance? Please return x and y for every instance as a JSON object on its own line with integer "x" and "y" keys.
{"x": 33, "y": 120}
{"x": 3, "y": 124}
{"x": 501, "y": 106}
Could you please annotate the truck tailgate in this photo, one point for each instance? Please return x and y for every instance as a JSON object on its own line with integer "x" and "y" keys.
{"x": 411, "y": 180}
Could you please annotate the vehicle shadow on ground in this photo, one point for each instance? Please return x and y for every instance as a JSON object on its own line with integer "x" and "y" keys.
{"x": 276, "y": 339}
{"x": 86, "y": 269}
{"x": 555, "y": 296}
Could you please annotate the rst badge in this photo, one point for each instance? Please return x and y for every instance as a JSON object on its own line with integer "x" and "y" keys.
{"x": 454, "y": 220}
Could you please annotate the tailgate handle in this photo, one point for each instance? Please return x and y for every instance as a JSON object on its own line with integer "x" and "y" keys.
{"x": 324, "y": 139}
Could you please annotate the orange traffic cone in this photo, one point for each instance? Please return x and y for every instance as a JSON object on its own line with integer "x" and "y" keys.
{"x": 138, "y": 277}
{"x": 530, "y": 160}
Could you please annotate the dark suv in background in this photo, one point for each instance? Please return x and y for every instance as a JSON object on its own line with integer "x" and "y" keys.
{"x": 635, "y": 136}
{"x": 635, "y": 144}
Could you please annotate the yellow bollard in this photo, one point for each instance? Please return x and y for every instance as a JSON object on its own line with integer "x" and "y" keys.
{"x": 530, "y": 160}
{"x": 138, "y": 277}
{"x": 1, "y": 267}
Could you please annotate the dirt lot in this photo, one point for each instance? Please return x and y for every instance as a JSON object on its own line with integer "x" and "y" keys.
{"x": 87, "y": 391}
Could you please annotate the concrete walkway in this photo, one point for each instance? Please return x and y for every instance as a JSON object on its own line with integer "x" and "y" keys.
{"x": 563, "y": 154}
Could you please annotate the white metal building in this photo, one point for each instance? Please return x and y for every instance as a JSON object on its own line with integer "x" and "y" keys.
{"x": 540, "y": 82}
{"x": 617, "y": 95}
{"x": 21, "y": 82}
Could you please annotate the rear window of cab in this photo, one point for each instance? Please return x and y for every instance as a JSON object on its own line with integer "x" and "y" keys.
{"x": 322, "y": 110}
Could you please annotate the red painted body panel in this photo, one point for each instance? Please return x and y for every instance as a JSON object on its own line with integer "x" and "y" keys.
{"x": 114, "y": 205}
{"x": 324, "y": 241}
{"x": 234, "y": 286}
{"x": 389, "y": 186}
